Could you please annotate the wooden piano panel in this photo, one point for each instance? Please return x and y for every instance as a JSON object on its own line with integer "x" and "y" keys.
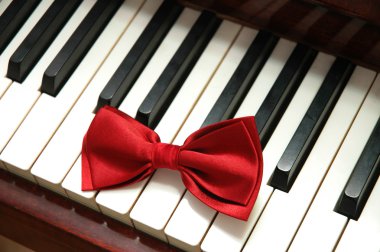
{"x": 43, "y": 221}
{"x": 352, "y": 32}
{"x": 366, "y": 9}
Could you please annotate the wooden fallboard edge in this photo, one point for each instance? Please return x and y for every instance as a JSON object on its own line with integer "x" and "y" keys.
{"x": 44, "y": 221}
{"x": 365, "y": 9}
{"x": 304, "y": 22}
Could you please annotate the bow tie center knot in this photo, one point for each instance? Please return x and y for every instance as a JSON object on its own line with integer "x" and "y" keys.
{"x": 165, "y": 156}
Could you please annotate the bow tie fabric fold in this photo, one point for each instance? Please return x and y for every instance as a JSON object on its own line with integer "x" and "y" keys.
{"x": 220, "y": 164}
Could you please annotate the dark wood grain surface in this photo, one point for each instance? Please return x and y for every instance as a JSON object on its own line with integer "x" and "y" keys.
{"x": 366, "y": 9}
{"x": 44, "y": 221}
{"x": 349, "y": 29}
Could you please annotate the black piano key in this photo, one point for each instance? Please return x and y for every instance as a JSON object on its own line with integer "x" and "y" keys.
{"x": 140, "y": 54}
{"x": 13, "y": 18}
{"x": 170, "y": 81}
{"x": 78, "y": 45}
{"x": 363, "y": 178}
{"x": 282, "y": 91}
{"x": 39, "y": 39}
{"x": 242, "y": 79}
{"x": 312, "y": 123}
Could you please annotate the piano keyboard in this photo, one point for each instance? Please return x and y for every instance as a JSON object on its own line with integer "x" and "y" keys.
{"x": 176, "y": 70}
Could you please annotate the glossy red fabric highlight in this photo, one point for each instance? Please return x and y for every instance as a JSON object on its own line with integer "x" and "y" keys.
{"x": 220, "y": 164}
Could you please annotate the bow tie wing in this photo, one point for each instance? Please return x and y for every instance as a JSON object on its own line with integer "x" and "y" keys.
{"x": 222, "y": 166}
{"x": 112, "y": 155}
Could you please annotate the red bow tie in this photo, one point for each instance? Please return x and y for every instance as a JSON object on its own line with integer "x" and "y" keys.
{"x": 220, "y": 164}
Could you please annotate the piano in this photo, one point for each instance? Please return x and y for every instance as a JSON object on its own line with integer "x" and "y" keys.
{"x": 306, "y": 69}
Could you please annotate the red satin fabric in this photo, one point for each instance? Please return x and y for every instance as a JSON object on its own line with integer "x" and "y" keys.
{"x": 220, "y": 164}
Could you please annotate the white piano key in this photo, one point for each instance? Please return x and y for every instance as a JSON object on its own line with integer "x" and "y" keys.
{"x": 286, "y": 210}
{"x": 14, "y": 106}
{"x": 73, "y": 187}
{"x": 363, "y": 235}
{"x": 66, "y": 143}
{"x": 64, "y": 148}
{"x": 189, "y": 236}
{"x": 4, "y": 5}
{"x": 179, "y": 232}
{"x": 49, "y": 112}
{"x": 109, "y": 200}
{"x": 159, "y": 198}
{"x": 4, "y": 85}
{"x": 322, "y": 226}
{"x": 19, "y": 37}
{"x": 19, "y": 98}
{"x": 118, "y": 202}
